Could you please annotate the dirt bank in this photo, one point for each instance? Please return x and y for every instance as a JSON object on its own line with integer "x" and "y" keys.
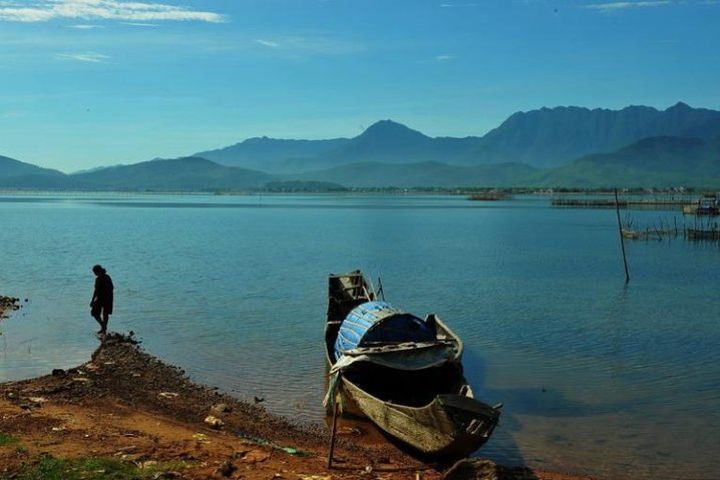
{"x": 125, "y": 414}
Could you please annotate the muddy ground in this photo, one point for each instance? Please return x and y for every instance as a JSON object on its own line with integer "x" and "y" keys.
{"x": 126, "y": 415}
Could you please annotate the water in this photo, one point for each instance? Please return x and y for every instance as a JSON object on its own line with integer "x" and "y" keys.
{"x": 596, "y": 377}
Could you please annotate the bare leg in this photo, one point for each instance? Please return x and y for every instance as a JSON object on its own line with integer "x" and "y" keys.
{"x": 105, "y": 320}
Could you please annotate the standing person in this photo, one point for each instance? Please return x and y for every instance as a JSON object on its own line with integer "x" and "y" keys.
{"x": 102, "y": 300}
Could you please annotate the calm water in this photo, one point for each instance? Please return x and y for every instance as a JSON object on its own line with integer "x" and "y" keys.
{"x": 622, "y": 382}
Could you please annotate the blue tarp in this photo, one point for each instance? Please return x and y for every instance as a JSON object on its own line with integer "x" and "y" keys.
{"x": 380, "y": 323}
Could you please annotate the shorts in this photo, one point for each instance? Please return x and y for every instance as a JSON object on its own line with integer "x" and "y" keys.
{"x": 99, "y": 308}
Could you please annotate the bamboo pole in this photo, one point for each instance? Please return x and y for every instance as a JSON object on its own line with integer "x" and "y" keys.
{"x": 622, "y": 240}
{"x": 332, "y": 435}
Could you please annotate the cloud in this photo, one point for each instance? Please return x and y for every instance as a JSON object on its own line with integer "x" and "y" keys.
{"x": 132, "y": 11}
{"x": 85, "y": 27}
{"x": 140, "y": 24}
{"x": 303, "y": 45}
{"x": 445, "y": 57}
{"x": 267, "y": 43}
{"x": 614, "y": 6}
{"x": 91, "y": 57}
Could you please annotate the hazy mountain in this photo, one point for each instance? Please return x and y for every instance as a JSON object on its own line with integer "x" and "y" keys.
{"x": 563, "y": 146}
{"x": 270, "y": 153}
{"x": 391, "y": 142}
{"x": 651, "y": 162}
{"x": 553, "y": 137}
{"x": 189, "y": 173}
{"x": 384, "y": 141}
{"x": 547, "y": 137}
{"x": 10, "y": 167}
{"x": 423, "y": 174}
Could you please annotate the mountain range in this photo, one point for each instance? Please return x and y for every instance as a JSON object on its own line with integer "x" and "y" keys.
{"x": 562, "y": 146}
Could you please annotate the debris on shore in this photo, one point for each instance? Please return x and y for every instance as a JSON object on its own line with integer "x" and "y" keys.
{"x": 127, "y": 415}
{"x": 8, "y": 304}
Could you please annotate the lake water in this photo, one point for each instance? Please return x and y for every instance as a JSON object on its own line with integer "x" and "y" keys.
{"x": 596, "y": 377}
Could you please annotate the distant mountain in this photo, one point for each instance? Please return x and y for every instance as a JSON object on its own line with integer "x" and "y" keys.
{"x": 553, "y": 137}
{"x": 424, "y": 174}
{"x": 391, "y": 142}
{"x": 548, "y": 137}
{"x": 563, "y": 146}
{"x": 384, "y": 141}
{"x": 9, "y": 167}
{"x": 651, "y": 162}
{"x": 17, "y": 174}
{"x": 270, "y": 154}
{"x": 189, "y": 173}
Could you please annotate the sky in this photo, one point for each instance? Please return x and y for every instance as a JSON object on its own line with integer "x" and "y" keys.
{"x": 85, "y": 83}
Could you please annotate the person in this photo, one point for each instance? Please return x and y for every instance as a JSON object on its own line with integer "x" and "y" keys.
{"x": 101, "y": 305}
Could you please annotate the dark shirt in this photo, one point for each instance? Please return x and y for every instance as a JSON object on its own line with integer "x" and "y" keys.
{"x": 104, "y": 289}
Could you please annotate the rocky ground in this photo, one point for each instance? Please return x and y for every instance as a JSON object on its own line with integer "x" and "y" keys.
{"x": 126, "y": 415}
{"x": 8, "y": 304}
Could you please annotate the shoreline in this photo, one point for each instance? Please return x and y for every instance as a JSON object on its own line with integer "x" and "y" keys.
{"x": 128, "y": 410}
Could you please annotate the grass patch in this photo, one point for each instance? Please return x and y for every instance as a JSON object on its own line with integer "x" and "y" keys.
{"x": 50, "y": 468}
{"x": 6, "y": 440}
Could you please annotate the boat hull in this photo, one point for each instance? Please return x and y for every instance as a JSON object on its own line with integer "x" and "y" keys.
{"x": 431, "y": 430}
{"x": 431, "y": 410}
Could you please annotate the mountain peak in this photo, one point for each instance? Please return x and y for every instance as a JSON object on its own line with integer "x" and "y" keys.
{"x": 387, "y": 129}
{"x": 680, "y": 106}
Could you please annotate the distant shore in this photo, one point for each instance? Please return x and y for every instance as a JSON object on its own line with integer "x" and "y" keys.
{"x": 128, "y": 414}
{"x": 440, "y": 190}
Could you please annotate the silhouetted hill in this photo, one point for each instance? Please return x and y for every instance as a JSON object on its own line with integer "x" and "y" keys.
{"x": 189, "y": 173}
{"x": 424, "y": 174}
{"x": 552, "y": 137}
{"x": 384, "y": 141}
{"x": 391, "y": 142}
{"x": 563, "y": 146}
{"x": 270, "y": 153}
{"x": 651, "y": 162}
{"x": 543, "y": 138}
{"x": 9, "y": 167}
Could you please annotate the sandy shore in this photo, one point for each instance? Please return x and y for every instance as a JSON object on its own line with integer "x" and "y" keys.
{"x": 126, "y": 415}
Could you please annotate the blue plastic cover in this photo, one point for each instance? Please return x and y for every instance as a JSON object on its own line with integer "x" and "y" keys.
{"x": 379, "y": 323}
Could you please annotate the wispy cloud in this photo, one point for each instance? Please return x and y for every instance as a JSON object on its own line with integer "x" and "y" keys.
{"x": 445, "y": 57}
{"x": 91, "y": 57}
{"x": 85, "y": 27}
{"x": 141, "y": 24}
{"x": 267, "y": 43}
{"x": 304, "y": 45}
{"x": 614, "y": 6}
{"x": 132, "y": 11}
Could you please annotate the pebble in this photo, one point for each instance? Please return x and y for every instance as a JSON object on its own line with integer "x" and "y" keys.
{"x": 226, "y": 469}
{"x": 214, "y": 422}
{"x": 220, "y": 408}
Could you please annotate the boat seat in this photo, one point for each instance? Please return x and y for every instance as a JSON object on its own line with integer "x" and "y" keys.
{"x": 468, "y": 404}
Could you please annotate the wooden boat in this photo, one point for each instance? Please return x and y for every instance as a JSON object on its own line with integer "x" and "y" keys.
{"x": 630, "y": 234}
{"x": 414, "y": 390}
{"x": 709, "y": 205}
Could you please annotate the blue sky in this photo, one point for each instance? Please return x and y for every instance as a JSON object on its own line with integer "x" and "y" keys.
{"x": 97, "y": 82}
